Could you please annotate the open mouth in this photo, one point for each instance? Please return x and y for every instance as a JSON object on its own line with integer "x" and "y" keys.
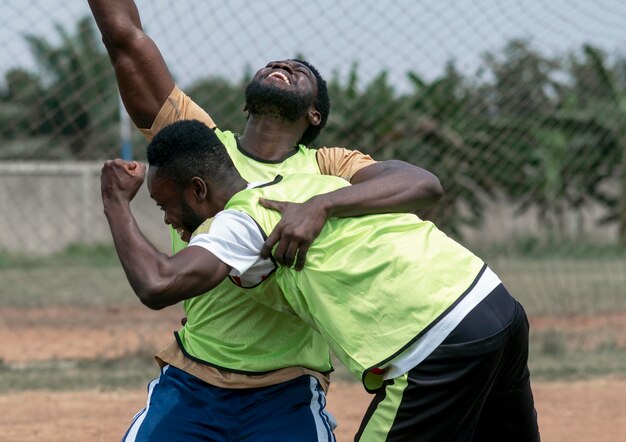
{"x": 280, "y": 76}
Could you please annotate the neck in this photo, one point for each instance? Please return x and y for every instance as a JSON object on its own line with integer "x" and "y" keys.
{"x": 226, "y": 191}
{"x": 271, "y": 138}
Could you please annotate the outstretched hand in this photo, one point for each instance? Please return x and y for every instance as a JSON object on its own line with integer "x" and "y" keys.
{"x": 299, "y": 226}
{"x": 120, "y": 180}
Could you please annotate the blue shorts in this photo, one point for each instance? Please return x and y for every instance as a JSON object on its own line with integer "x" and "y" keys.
{"x": 181, "y": 407}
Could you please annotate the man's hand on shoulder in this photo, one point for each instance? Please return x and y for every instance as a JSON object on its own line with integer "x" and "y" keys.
{"x": 300, "y": 225}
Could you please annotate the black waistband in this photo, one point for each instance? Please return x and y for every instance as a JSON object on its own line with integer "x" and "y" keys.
{"x": 490, "y": 316}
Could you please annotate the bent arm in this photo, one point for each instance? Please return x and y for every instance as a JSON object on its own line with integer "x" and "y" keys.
{"x": 159, "y": 280}
{"x": 384, "y": 187}
{"x": 142, "y": 76}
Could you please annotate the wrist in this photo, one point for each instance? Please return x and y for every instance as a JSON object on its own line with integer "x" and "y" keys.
{"x": 325, "y": 204}
{"x": 115, "y": 205}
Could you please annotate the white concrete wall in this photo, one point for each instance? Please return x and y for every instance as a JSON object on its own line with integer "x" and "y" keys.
{"x": 46, "y": 206}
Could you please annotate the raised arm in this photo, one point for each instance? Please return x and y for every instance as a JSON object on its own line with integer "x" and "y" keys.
{"x": 142, "y": 76}
{"x": 157, "y": 279}
{"x": 383, "y": 187}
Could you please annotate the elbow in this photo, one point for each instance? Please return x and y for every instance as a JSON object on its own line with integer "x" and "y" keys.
{"x": 432, "y": 189}
{"x": 423, "y": 186}
{"x": 152, "y": 296}
{"x": 120, "y": 34}
{"x": 427, "y": 190}
{"x": 152, "y": 304}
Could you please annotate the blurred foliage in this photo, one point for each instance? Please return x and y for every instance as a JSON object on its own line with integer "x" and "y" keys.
{"x": 548, "y": 133}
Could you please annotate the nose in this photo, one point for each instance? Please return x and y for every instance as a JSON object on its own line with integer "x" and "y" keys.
{"x": 284, "y": 65}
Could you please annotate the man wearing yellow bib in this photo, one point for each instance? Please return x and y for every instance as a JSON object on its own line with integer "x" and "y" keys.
{"x": 424, "y": 323}
{"x": 262, "y": 373}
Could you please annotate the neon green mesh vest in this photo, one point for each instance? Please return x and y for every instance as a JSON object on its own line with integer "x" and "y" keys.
{"x": 371, "y": 284}
{"x": 236, "y": 333}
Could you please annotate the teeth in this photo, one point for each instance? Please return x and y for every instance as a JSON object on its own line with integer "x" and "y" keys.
{"x": 281, "y": 76}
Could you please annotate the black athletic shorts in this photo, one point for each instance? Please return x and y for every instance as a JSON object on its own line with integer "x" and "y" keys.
{"x": 474, "y": 387}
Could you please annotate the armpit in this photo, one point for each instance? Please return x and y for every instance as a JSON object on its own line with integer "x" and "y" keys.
{"x": 178, "y": 106}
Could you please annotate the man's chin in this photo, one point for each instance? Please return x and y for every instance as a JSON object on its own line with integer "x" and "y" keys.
{"x": 275, "y": 102}
{"x": 183, "y": 234}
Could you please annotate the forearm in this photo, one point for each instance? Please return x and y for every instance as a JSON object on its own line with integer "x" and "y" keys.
{"x": 384, "y": 187}
{"x": 143, "y": 78}
{"x": 157, "y": 279}
{"x": 116, "y": 19}
{"x": 140, "y": 260}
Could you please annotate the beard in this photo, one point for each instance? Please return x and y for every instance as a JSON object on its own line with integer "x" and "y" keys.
{"x": 190, "y": 220}
{"x": 269, "y": 99}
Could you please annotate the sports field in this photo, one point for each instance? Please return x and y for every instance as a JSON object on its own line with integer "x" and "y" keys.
{"x": 78, "y": 374}
{"x": 76, "y": 350}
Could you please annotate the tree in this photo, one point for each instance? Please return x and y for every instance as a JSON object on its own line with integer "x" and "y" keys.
{"x": 599, "y": 95}
{"x": 223, "y": 98}
{"x": 20, "y": 101}
{"x": 445, "y": 134}
{"x": 553, "y": 159}
{"x": 72, "y": 97}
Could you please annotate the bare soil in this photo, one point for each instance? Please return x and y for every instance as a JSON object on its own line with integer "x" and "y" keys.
{"x": 589, "y": 411}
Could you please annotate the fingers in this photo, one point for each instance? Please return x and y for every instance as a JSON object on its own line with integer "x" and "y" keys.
{"x": 118, "y": 164}
{"x": 280, "y": 206}
{"x": 293, "y": 235}
{"x": 121, "y": 178}
{"x": 284, "y": 250}
{"x": 288, "y": 252}
{"x": 281, "y": 249}
{"x": 135, "y": 169}
{"x": 301, "y": 258}
{"x": 269, "y": 244}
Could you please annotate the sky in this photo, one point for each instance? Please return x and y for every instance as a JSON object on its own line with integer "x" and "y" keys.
{"x": 210, "y": 37}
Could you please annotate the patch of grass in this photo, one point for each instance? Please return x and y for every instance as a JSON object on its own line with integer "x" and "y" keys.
{"x": 567, "y": 279}
{"x": 94, "y": 255}
{"x": 564, "y": 286}
{"x": 554, "y": 247}
{"x": 74, "y": 285}
{"x": 80, "y": 275}
{"x": 555, "y": 356}
{"x": 130, "y": 371}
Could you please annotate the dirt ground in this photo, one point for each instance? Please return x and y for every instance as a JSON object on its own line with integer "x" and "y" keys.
{"x": 589, "y": 411}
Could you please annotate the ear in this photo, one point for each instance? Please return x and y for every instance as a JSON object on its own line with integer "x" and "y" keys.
{"x": 314, "y": 116}
{"x": 199, "y": 188}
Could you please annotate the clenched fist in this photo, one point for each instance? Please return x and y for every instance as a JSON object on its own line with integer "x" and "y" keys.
{"x": 120, "y": 180}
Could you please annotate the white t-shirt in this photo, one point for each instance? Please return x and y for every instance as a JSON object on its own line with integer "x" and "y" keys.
{"x": 235, "y": 239}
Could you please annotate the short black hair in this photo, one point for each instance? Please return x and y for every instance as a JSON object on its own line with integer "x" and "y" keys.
{"x": 189, "y": 148}
{"x": 322, "y": 104}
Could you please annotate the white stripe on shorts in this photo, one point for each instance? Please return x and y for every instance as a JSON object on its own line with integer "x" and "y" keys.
{"x": 131, "y": 434}
{"x": 325, "y": 422}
